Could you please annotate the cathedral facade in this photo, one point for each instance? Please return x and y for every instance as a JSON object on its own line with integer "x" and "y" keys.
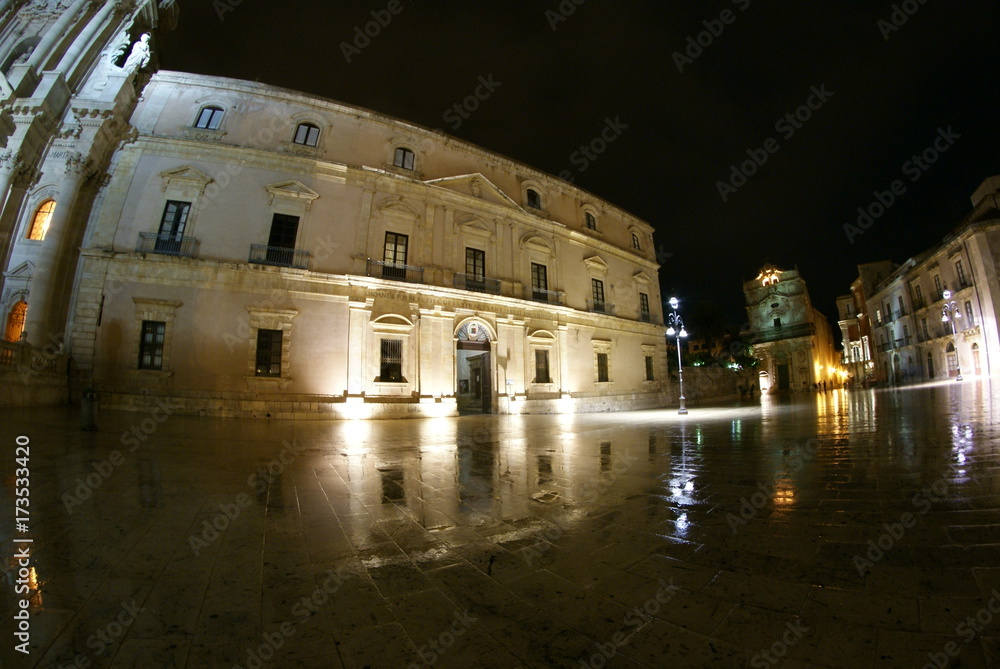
{"x": 238, "y": 249}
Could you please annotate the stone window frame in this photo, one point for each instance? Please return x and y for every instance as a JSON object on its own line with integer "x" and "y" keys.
{"x": 411, "y": 146}
{"x": 289, "y": 145}
{"x": 532, "y": 184}
{"x": 650, "y": 351}
{"x": 392, "y": 326}
{"x": 148, "y": 309}
{"x": 540, "y": 251}
{"x": 181, "y": 184}
{"x": 543, "y": 340}
{"x": 259, "y": 318}
{"x": 33, "y": 204}
{"x": 192, "y": 131}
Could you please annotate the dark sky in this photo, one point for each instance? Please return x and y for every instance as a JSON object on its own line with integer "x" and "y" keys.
{"x": 615, "y": 60}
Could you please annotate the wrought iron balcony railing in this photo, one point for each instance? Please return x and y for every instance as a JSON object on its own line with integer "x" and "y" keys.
{"x": 395, "y": 271}
{"x": 477, "y": 284}
{"x": 547, "y": 296}
{"x": 166, "y": 244}
{"x": 601, "y": 307}
{"x": 261, "y": 254}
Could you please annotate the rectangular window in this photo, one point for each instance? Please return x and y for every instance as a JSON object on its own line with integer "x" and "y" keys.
{"x": 649, "y": 368}
{"x": 404, "y": 158}
{"x": 970, "y": 318}
{"x": 960, "y": 271}
{"x": 602, "y": 367}
{"x": 172, "y": 224}
{"x": 268, "y": 353}
{"x": 475, "y": 270}
{"x": 391, "y": 361}
{"x": 919, "y": 296}
{"x": 539, "y": 282}
{"x": 937, "y": 286}
{"x": 644, "y": 307}
{"x": 878, "y": 316}
{"x": 281, "y": 241}
{"x": 151, "y": 345}
{"x": 899, "y": 302}
{"x": 597, "y": 293}
{"x": 591, "y": 221}
{"x": 307, "y": 134}
{"x": 394, "y": 255}
{"x": 209, "y": 118}
{"x": 542, "y": 367}
{"x": 927, "y": 334}
{"x": 777, "y": 322}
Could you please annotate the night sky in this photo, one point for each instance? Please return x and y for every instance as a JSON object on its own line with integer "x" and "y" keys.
{"x": 886, "y": 89}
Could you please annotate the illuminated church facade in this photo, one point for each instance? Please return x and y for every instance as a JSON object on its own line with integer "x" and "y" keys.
{"x": 243, "y": 250}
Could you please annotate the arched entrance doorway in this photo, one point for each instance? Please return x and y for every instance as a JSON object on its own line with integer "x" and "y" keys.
{"x": 952, "y": 357}
{"x": 474, "y": 369}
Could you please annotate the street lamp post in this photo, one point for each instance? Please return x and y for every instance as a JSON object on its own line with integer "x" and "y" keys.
{"x": 949, "y": 312}
{"x": 676, "y": 329}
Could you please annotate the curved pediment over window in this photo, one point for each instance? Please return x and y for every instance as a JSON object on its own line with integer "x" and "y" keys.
{"x": 535, "y": 242}
{"x": 392, "y": 323}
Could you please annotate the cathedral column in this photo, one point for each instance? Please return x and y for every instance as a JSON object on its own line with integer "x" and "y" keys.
{"x": 44, "y": 301}
{"x": 60, "y": 29}
{"x": 69, "y": 60}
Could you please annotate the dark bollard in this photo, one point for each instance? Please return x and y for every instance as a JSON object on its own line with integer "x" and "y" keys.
{"x": 88, "y": 409}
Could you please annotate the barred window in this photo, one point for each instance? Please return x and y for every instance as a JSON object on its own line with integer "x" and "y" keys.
{"x": 391, "y": 361}
{"x": 542, "y": 367}
{"x": 269, "y": 353}
{"x": 602, "y": 368}
{"x": 151, "y": 344}
{"x": 649, "y": 368}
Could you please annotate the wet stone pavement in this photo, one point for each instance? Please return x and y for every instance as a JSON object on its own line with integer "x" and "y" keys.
{"x": 856, "y": 529}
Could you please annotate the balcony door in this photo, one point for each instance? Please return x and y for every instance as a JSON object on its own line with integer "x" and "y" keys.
{"x": 171, "y": 232}
{"x": 394, "y": 256}
{"x": 281, "y": 242}
{"x": 475, "y": 270}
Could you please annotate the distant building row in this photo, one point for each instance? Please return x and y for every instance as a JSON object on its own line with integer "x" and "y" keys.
{"x": 935, "y": 315}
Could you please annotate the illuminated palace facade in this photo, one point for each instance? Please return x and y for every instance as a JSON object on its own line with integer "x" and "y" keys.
{"x": 935, "y": 316}
{"x": 244, "y": 250}
{"x": 792, "y": 340}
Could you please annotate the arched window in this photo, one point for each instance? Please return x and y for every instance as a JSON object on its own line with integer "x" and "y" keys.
{"x": 307, "y": 134}
{"x": 40, "y": 222}
{"x": 15, "y": 321}
{"x": 209, "y": 118}
{"x": 635, "y": 242}
{"x": 534, "y": 199}
{"x": 590, "y": 221}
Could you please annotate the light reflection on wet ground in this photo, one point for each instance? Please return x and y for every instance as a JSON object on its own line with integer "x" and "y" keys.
{"x": 366, "y": 543}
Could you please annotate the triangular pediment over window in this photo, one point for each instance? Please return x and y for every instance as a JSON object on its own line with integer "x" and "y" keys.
{"x": 477, "y": 186}
{"x": 186, "y": 176}
{"x": 292, "y": 190}
{"x": 596, "y": 264}
{"x": 25, "y": 270}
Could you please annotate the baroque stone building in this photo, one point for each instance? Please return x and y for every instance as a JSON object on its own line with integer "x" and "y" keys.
{"x": 792, "y": 340}
{"x": 245, "y": 250}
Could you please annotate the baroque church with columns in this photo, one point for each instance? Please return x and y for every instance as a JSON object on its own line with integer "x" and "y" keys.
{"x": 238, "y": 249}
